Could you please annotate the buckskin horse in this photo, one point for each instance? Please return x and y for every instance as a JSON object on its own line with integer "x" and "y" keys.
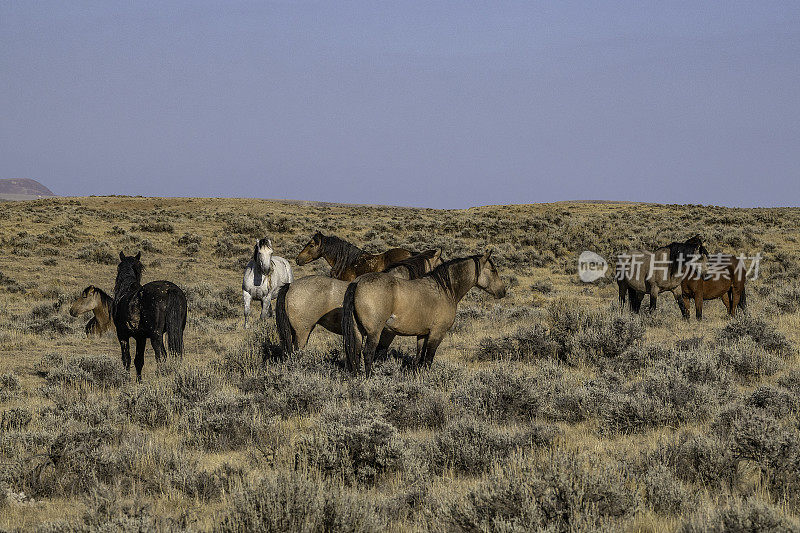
{"x": 96, "y": 300}
{"x": 313, "y": 300}
{"x": 348, "y": 261}
{"x": 146, "y": 312}
{"x": 424, "y": 307}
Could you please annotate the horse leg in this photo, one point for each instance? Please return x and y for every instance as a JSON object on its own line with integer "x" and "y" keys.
{"x": 247, "y": 299}
{"x": 430, "y": 349}
{"x": 422, "y": 341}
{"x": 266, "y": 307}
{"x": 383, "y": 344}
{"x": 622, "y": 291}
{"x": 654, "y": 298}
{"x": 726, "y": 299}
{"x": 139, "y": 361}
{"x": 369, "y": 353}
{"x": 124, "y": 344}
{"x": 157, "y": 341}
{"x": 684, "y": 311}
{"x": 698, "y": 306}
{"x": 736, "y": 296}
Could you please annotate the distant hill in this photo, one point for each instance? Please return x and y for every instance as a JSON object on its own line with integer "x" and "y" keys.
{"x": 23, "y": 189}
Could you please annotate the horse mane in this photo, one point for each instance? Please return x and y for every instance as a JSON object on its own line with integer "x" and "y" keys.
{"x": 444, "y": 277}
{"x": 415, "y": 265}
{"x": 684, "y": 249}
{"x": 105, "y": 300}
{"x": 129, "y": 275}
{"x": 344, "y": 254}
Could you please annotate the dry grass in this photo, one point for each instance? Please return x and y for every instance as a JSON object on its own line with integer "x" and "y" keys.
{"x": 548, "y": 407}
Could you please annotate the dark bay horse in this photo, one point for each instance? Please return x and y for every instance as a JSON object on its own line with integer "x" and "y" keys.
{"x": 101, "y": 304}
{"x": 347, "y": 260}
{"x": 317, "y": 300}
{"x": 641, "y": 272}
{"x": 727, "y": 282}
{"x": 147, "y": 312}
{"x": 423, "y": 307}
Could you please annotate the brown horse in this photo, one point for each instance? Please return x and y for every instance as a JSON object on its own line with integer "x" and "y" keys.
{"x": 313, "y": 300}
{"x": 726, "y": 283}
{"x": 423, "y": 307}
{"x": 347, "y": 260}
{"x": 94, "y": 299}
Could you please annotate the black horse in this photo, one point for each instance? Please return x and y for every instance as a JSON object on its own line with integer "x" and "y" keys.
{"x": 146, "y": 313}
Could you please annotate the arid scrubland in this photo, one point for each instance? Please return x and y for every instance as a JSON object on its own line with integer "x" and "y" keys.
{"x": 549, "y": 409}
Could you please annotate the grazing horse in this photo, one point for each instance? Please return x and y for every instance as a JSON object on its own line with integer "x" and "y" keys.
{"x": 640, "y": 272}
{"x": 264, "y": 276}
{"x": 423, "y": 307}
{"x": 96, "y": 300}
{"x": 727, "y": 283}
{"x": 313, "y": 300}
{"x": 146, "y": 312}
{"x": 348, "y": 261}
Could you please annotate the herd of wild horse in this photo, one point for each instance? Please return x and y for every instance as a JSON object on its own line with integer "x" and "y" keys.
{"x": 368, "y": 299}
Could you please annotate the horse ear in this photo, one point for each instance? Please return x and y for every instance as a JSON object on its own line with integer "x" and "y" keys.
{"x": 121, "y": 256}
{"x": 437, "y": 254}
{"x": 487, "y": 255}
{"x": 138, "y": 255}
{"x": 269, "y": 243}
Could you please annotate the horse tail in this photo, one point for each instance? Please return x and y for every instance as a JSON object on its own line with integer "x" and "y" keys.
{"x": 285, "y": 331}
{"x": 349, "y": 327}
{"x": 176, "y": 321}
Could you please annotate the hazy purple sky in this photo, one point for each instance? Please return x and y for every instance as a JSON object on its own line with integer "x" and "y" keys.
{"x": 438, "y": 104}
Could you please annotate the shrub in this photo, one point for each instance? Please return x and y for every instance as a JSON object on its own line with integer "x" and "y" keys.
{"x": 194, "y": 384}
{"x": 527, "y": 343}
{"x": 154, "y": 226}
{"x": 354, "y": 443}
{"x": 222, "y": 422}
{"x": 499, "y": 392}
{"x": 97, "y": 252}
{"x": 741, "y": 516}
{"x": 560, "y": 491}
{"x": 699, "y": 459}
{"x": 748, "y": 360}
{"x": 150, "y": 405}
{"x": 664, "y": 492}
{"x": 296, "y": 502}
{"x": 90, "y": 369}
{"x": 760, "y": 331}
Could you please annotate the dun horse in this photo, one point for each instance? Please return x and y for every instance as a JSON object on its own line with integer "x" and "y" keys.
{"x": 641, "y": 272}
{"x": 727, "y": 283}
{"x": 264, "y": 275}
{"x": 313, "y": 300}
{"x": 348, "y": 261}
{"x": 146, "y": 312}
{"x": 95, "y": 300}
{"x": 423, "y": 307}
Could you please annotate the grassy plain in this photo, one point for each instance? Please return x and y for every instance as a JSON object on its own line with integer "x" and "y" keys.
{"x": 548, "y": 409}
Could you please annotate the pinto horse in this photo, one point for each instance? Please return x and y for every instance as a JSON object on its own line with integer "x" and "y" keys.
{"x": 146, "y": 312}
{"x": 347, "y": 260}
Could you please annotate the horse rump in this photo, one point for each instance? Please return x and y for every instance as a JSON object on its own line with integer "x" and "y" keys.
{"x": 175, "y": 320}
{"x": 285, "y": 331}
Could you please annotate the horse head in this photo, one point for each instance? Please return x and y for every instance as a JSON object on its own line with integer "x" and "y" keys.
{"x": 87, "y": 301}
{"x": 311, "y": 251}
{"x": 488, "y": 277}
{"x": 262, "y": 254}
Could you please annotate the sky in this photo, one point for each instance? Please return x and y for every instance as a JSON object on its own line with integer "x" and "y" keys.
{"x": 429, "y": 104}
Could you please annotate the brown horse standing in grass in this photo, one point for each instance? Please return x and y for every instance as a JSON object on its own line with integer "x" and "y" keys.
{"x": 95, "y": 300}
{"x": 347, "y": 260}
{"x": 313, "y": 300}
{"x": 727, "y": 284}
{"x": 423, "y": 307}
